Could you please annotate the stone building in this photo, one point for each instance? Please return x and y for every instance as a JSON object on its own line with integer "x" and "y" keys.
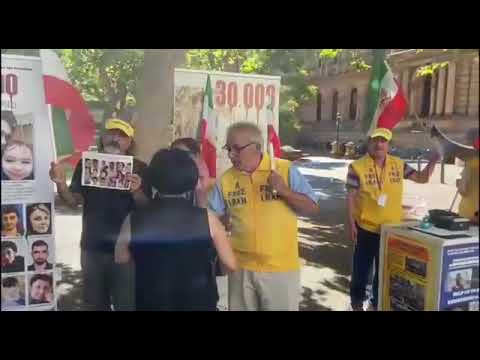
{"x": 449, "y": 98}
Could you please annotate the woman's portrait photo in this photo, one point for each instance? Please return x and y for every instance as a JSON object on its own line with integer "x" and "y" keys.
{"x": 39, "y": 219}
{"x": 17, "y": 161}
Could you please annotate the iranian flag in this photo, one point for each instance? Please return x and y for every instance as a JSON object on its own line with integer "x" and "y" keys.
{"x": 73, "y": 125}
{"x": 272, "y": 134}
{"x": 207, "y": 131}
{"x": 387, "y": 104}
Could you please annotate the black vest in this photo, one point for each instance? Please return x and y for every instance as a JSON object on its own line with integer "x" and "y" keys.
{"x": 173, "y": 252}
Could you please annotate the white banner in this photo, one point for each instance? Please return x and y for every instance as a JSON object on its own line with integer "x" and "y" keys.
{"x": 236, "y": 97}
{"x": 28, "y": 246}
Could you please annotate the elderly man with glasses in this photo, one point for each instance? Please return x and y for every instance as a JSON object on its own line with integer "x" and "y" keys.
{"x": 262, "y": 197}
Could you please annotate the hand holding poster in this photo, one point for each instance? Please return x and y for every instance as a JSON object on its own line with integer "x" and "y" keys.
{"x": 106, "y": 171}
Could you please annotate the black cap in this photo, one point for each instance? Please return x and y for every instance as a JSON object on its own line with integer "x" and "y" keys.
{"x": 172, "y": 172}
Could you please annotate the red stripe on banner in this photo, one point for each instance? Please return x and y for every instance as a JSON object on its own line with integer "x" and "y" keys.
{"x": 394, "y": 111}
{"x": 275, "y": 140}
{"x": 62, "y": 94}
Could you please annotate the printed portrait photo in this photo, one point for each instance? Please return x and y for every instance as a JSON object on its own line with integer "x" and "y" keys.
{"x": 17, "y": 146}
{"x": 13, "y": 291}
{"x": 13, "y": 259}
{"x": 12, "y": 221}
{"x": 106, "y": 171}
{"x": 459, "y": 280}
{"x": 40, "y": 288}
{"x": 39, "y": 219}
{"x": 40, "y": 256}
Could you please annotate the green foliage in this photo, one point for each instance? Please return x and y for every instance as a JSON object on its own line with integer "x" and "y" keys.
{"x": 107, "y": 76}
{"x": 431, "y": 69}
{"x": 330, "y": 53}
{"x": 295, "y": 66}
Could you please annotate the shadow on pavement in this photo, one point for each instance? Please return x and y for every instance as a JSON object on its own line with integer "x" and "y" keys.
{"x": 69, "y": 289}
{"x": 310, "y": 304}
{"x": 323, "y": 242}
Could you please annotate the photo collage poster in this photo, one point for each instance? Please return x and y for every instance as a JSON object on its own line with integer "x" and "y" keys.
{"x": 106, "y": 171}
{"x": 27, "y": 235}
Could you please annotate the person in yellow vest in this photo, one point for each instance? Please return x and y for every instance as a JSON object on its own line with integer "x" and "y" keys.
{"x": 262, "y": 205}
{"x": 468, "y": 186}
{"x": 375, "y": 190}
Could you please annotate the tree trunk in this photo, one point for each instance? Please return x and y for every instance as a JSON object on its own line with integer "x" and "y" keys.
{"x": 153, "y": 128}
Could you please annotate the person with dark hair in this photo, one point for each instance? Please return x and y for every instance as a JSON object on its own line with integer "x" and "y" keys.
{"x": 11, "y": 221}
{"x": 106, "y": 283}
{"x": 41, "y": 289}
{"x": 39, "y": 219}
{"x": 11, "y": 292}
{"x": 40, "y": 257}
{"x": 205, "y": 182}
{"x": 11, "y": 262}
{"x": 103, "y": 177}
{"x": 173, "y": 261}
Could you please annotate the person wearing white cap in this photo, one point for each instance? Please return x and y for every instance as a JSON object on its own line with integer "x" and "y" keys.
{"x": 375, "y": 190}
{"x": 104, "y": 210}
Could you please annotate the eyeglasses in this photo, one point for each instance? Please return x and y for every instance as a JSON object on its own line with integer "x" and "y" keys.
{"x": 235, "y": 148}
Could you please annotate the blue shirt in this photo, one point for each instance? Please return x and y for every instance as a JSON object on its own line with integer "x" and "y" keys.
{"x": 297, "y": 181}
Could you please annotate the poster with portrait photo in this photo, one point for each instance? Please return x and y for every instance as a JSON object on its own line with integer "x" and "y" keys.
{"x": 13, "y": 292}
{"x": 17, "y": 147}
{"x": 14, "y": 251}
{"x": 13, "y": 221}
{"x": 38, "y": 218}
{"x": 459, "y": 275}
{"x": 40, "y": 254}
{"x": 40, "y": 289}
{"x": 27, "y": 152}
{"x": 459, "y": 280}
{"x": 106, "y": 171}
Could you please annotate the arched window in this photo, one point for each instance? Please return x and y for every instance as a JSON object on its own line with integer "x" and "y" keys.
{"x": 334, "y": 105}
{"x": 319, "y": 107}
{"x": 353, "y": 104}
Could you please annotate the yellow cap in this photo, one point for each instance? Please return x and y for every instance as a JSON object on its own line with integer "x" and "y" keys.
{"x": 120, "y": 125}
{"x": 382, "y": 132}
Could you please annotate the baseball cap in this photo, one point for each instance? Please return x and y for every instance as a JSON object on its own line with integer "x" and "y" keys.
{"x": 382, "y": 132}
{"x": 120, "y": 125}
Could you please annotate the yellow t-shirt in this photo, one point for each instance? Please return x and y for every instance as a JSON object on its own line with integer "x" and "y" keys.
{"x": 264, "y": 228}
{"x": 469, "y": 203}
{"x": 380, "y": 192}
